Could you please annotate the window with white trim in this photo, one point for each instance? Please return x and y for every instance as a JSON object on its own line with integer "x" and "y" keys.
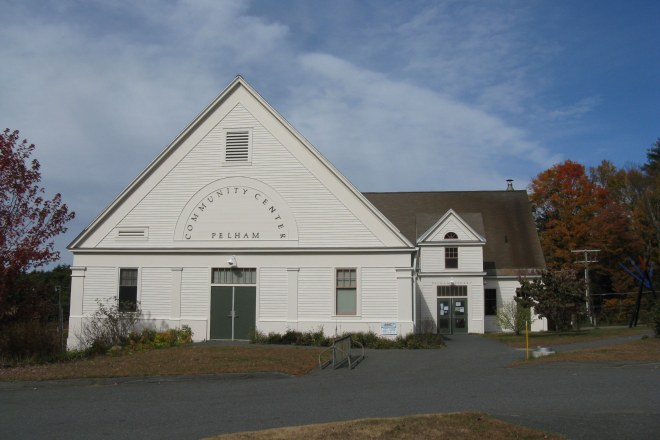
{"x": 346, "y": 292}
{"x": 451, "y": 258}
{"x": 128, "y": 290}
{"x": 452, "y": 290}
{"x": 234, "y": 275}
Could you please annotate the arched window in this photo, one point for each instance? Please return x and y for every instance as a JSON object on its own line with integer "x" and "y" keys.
{"x": 451, "y": 236}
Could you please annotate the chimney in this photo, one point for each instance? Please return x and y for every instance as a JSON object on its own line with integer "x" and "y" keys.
{"x": 509, "y": 184}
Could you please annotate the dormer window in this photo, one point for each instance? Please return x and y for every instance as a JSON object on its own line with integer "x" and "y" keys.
{"x": 451, "y": 236}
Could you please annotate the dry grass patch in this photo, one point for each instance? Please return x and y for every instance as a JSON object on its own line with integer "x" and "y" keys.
{"x": 465, "y": 426}
{"x": 644, "y": 350}
{"x": 186, "y": 360}
{"x": 549, "y": 339}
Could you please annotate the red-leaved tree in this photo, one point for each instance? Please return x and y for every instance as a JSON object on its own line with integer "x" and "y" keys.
{"x": 28, "y": 220}
{"x": 576, "y": 211}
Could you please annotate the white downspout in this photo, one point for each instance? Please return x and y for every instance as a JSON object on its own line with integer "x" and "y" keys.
{"x": 414, "y": 289}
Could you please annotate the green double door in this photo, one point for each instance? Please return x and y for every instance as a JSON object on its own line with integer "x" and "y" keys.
{"x": 452, "y": 315}
{"x": 233, "y": 311}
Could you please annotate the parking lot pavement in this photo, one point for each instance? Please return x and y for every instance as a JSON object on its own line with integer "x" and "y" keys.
{"x": 471, "y": 374}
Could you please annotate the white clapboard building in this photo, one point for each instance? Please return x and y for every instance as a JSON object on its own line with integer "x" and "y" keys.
{"x": 241, "y": 224}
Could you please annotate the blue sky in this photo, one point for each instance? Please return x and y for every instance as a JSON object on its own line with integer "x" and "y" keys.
{"x": 399, "y": 95}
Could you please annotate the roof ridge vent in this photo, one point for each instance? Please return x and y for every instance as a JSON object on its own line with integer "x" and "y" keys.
{"x": 509, "y": 184}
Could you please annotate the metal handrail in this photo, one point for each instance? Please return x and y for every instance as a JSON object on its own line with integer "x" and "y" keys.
{"x": 341, "y": 353}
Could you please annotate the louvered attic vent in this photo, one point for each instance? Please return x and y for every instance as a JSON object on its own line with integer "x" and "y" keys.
{"x": 237, "y": 146}
{"x": 140, "y": 232}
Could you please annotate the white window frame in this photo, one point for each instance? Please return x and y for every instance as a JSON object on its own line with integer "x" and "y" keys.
{"x": 237, "y": 269}
{"x": 446, "y": 249}
{"x": 357, "y": 292}
{"x": 137, "y": 287}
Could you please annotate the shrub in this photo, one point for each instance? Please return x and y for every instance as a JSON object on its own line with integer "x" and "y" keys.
{"x": 274, "y": 338}
{"x": 109, "y": 326}
{"x": 512, "y": 316}
{"x": 292, "y": 337}
{"x": 257, "y": 337}
{"x": 367, "y": 339}
{"x": 422, "y": 341}
{"x": 149, "y": 338}
{"x": 371, "y": 340}
{"x": 315, "y": 338}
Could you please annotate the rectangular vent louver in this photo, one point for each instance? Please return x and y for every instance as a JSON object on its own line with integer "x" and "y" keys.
{"x": 137, "y": 232}
{"x": 237, "y": 147}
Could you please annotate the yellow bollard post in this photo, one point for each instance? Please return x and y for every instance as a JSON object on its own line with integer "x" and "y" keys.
{"x": 526, "y": 341}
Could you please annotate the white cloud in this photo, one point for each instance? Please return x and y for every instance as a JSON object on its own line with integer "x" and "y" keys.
{"x": 374, "y": 128}
{"x": 102, "y": 89}
{"x": 100, "y": 98}
{"x": 575, "y": 111}
{"x": 476, "y": 51}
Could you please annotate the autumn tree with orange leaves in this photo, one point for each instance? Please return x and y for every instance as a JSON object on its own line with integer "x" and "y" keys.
{"x": 574, "y": 210}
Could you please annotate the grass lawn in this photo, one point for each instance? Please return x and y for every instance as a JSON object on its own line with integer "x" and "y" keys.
{"x": 185, "y": 360}
{"x": 642, "y": 350}
{"x": 550, "y": 339}
{"x": 464, "y": 426}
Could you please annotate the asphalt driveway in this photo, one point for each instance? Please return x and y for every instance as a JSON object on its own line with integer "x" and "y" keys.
{"x": 580, "y": 401}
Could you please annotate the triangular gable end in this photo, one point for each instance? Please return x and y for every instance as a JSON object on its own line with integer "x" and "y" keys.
{"x": 238, "y": 92}
{"x": 451, "y": 222}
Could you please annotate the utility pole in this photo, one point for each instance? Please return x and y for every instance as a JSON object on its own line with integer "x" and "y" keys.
{"x": 589, "y": 257}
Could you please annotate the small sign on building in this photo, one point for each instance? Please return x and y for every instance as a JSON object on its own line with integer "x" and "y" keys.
{"x": 388, "y": 328}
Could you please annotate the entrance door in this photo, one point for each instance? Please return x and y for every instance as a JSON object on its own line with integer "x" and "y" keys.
{"x": 452, "y": 315}
{"x": 459, "y": 315}
{"x": 444, "y": 316}
{"x": 233, "y": 311}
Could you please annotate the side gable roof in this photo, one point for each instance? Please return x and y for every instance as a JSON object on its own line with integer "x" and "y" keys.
{"x": 191, "y": 132}
{"x": 512, "y": 243}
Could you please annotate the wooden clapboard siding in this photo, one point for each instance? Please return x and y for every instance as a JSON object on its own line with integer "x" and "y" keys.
{"x": 322, "y": 219}
{"x": 378, "y": 293}
{"x": 428, "y": 304}
{"x": 195, "y": 291}
{"x": 476, "y": 298}
{"x": 315, "y": 293}
{"x": 469, "y": 259}
{"x": 273, "y": 293}
{"x": 100, "y": 284}
{"x": 156, "y": 298}
{"x": 432, "y": 259}
{"x": 451, "y": 225}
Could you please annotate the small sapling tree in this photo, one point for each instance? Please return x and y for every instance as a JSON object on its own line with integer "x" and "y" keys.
{"x": 513, "y": 316}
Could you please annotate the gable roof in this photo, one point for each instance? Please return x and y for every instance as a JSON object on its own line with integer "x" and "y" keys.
{"x": 503, "y": 218}
{"x": 192, "y": 133}
{"x": 449, "y": 214}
